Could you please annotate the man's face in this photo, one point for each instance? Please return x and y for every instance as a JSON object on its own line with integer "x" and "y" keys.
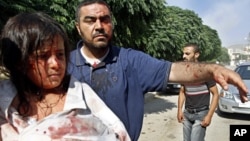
{"x": 189, "y": 54}
{"x": 95, "y": 25}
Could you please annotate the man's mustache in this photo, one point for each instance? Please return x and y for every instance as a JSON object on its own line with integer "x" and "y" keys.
{"x": 100, "y": 34}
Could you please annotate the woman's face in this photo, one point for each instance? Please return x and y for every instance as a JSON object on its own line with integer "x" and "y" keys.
{"x": 48, "y": 64}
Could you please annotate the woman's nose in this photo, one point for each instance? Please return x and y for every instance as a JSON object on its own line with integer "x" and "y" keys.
{"x": 53, "y": 61}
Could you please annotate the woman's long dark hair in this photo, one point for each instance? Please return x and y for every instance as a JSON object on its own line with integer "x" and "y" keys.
{"x": 22, "y": 35}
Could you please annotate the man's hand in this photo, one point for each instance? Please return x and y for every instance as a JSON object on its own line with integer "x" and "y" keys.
{"x": 180, "y": 116}
{"x": 190, "y": 72}
{"x": 206, "y": 121}
{"x": 225, "y": 76}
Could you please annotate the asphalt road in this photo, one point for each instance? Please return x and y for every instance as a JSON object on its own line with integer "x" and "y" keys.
{"x": 160, "y": 123}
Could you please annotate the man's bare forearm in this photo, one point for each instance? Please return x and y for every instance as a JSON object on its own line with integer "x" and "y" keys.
{"x": 188, "y": 72}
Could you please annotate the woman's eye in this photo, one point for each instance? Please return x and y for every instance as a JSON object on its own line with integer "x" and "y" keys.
{"x": 42, "y": 56}
{"x": 61, "y": 55}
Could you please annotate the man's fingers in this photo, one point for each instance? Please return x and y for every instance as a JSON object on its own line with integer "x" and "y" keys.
{"x": 237, "y": 83}
{"x": 222, "y": 82}
{"x": 242, "y": 88}
{"x": 243, "y": 95}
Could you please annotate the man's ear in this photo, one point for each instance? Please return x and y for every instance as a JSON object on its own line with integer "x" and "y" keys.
{"x": 78, "y": 28}
{"x": 197, "y": 54}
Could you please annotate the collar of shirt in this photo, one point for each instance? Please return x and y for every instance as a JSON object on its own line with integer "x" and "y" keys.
{"x": 76, "y": 55}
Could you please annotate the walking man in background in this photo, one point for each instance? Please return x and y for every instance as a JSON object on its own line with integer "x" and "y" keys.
{"x": 198, "y": 112}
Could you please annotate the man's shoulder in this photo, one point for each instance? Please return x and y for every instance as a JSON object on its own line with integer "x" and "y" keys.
{"x": 122, "y": 49}
{"x": 8, "y": 87}
{"x": 126, "y": 52}
{"x": 73, "y": 51}
{"x": 7, "y": 93}
{"x": 131, "y": 53}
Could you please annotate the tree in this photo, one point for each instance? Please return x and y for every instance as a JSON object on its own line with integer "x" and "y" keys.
{"x": 210, "y": 43}
{"x": 180, "y": 27}
{"x": 58, "y": 9}
{"x": 10, "y": 8}
{"x": 132, "y": 20}
{"x": 224, "y": 58}
{"x": 145, "y": 25}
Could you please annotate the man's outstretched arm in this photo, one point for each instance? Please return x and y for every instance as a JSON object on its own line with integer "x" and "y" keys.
{"x": 190, "y": 72}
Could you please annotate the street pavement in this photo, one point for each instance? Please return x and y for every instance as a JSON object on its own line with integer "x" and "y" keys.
{"x": 160, "y": 122}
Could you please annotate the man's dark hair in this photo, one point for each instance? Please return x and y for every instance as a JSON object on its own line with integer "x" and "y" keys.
{"x": 194, "y": 45}
{"x": 88, "y": 2}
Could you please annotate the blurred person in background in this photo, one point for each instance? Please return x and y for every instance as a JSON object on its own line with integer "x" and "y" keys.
{"x": 198, "y": 111}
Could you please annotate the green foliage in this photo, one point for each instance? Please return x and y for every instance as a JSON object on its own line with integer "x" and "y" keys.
{"x": 211, "y": 44}
{"x": 180, "y": 27}
{"x": 132, "y": 19}
{"x": 224, "y": 58}
{"x": 62, "y": 10}
{"x": 147, "y": 25}
{"x": 10, "y": 8}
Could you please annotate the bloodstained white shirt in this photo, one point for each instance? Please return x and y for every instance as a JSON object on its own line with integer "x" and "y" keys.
{"x": 74, "y": 123}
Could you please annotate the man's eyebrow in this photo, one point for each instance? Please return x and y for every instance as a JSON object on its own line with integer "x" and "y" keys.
{"x": 96, "y": 17}
{"x": 89, "y": 17}
{"x": 86, "y": 17}
{"x": 106, "y": 16}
